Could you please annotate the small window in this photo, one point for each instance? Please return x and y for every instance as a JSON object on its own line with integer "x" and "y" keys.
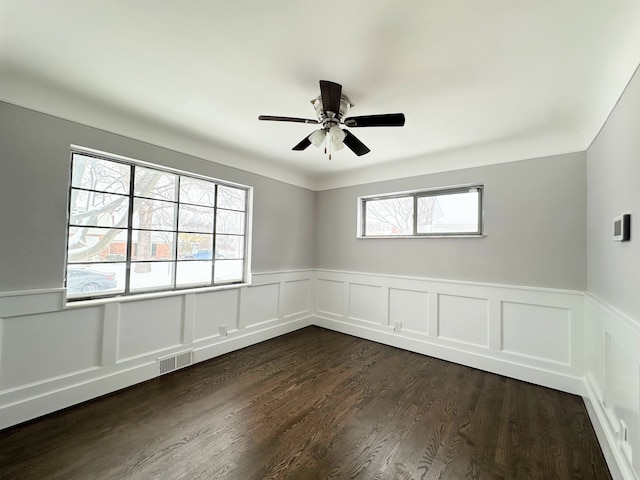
{"x": 137, "y": 228}
{"x": 446, "y": 212}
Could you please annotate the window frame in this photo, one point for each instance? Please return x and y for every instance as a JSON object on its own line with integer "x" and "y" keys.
{"x": 416, "y": 195}
{"x": 129, "y": 261}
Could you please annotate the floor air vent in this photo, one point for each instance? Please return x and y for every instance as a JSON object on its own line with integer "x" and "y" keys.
{"x": 174, "y": 362}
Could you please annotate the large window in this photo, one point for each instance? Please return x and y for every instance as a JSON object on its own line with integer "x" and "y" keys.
{"x": 136, "y": 228}
{"x": 455, "y": 211}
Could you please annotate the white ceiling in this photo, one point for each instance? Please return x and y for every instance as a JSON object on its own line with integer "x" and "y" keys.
{"x": 480, "y": 82}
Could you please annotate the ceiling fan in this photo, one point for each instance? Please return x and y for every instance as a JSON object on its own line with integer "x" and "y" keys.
{"x": 331, "y": 108}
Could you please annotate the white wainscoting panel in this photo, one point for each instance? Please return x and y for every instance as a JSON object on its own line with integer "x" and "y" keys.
{"x": 38, "y": 347}
{"x": 52, "y": 357}
{"x": 260, "y": 304}
{"x": 364, "y": 303}
{"x": 612, "y": 378}
{"x": 331, "y": 297}
{"x": 149, "y": 326}
{"x": 497, "y": 328}
{"x": 464, "y": 319}
{"x": 297, "y": 298}
{"x": 214, "y": 309}
{"x": 526, "y": 328}
{"x": 410, "y": 309}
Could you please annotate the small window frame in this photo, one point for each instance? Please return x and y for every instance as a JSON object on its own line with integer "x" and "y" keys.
{"x": 416, "y": 195}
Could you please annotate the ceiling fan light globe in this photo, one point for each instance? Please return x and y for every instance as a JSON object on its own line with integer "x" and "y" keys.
{"x": 317, "y": 137}
{"x": 335, "y": 146}
{"x": 337, "y": 134}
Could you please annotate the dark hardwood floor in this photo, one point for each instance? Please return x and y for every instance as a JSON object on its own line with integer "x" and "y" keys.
{"x": 313, "y": 404}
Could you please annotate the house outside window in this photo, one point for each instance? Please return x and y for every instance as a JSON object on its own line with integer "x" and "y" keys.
{"x": 134, "y": 227}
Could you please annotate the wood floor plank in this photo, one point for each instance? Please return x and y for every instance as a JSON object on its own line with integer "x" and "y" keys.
{"x": 313, "y": 404}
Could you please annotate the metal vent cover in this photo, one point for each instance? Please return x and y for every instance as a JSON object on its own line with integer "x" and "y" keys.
{"x": 184, "y": 359}
{"x": 174, "y": 362}
{"x": 167, "y": 365}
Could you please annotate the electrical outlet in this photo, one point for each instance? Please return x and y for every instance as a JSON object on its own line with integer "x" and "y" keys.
{"x": 223, "y": 330}
{"x": 624, "y": 432}
{"x": 397, "y": 327}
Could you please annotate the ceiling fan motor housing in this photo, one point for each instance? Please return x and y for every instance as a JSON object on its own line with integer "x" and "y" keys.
{"x": 329, "y": 119}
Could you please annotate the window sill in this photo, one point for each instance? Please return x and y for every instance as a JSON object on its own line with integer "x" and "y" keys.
{"x": 150, "y": 295}
{"x": 462, "y": 235}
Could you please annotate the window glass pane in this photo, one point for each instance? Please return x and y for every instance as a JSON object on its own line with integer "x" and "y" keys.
{"x": 231, "y": 198}
{"x": 392, "y": 216}
{"x": 454, "y": 213}
{"x": 155, "y": 184}
{"x": 228, "y": 221}
{"x": 151, "y": 275}
{"x": 194, "y": 246}
{"x": 199, "y": 192}
{"x": 228, "y": 271}
{"x": 229, "y": 246}
{"x": 154, "y": 214}
{"x": 153, "y": 246}
{"x": 97, "y": 174}
{"x": 195, "y": 219}
{"x": 96, "y": 244}
{"x": 194, "y": 273}
{"x": 88, "y": 280}
{"x": 98, "y": 209}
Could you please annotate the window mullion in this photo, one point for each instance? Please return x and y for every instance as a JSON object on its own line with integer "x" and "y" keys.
{"x": 132, "y": 180}
{"x": 363, "y": 220}
{"x": 177, "y": 236}
{"x": 415, "y": 214}
{"x": 213, "y": 242}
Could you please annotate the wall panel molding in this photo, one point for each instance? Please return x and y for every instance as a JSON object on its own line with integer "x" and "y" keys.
{"x": 463, "y": 322}
{"x": 561, "y": 339}
{"x": 612, "y": 384}
{"x": 117, "y": 344}
{"x": 31, "y": 302}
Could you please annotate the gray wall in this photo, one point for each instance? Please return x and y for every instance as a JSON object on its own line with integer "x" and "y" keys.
{"x": 613, "y": 166}
{"x": 34, "y": 176}
{"x": 535, "y": 227}
{"x": 535, "y": 222}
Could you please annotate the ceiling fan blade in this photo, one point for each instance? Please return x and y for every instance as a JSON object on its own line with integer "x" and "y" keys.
{"x": 330, "y": 93}
{"x": 303, "y": 144}
{"x": 351, "y": 141}
{"x": 384, "y": 120}
{"x": 275, "y": 118}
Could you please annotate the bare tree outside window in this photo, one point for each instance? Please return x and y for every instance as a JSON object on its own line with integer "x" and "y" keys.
{"x": 393, "y": 216}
